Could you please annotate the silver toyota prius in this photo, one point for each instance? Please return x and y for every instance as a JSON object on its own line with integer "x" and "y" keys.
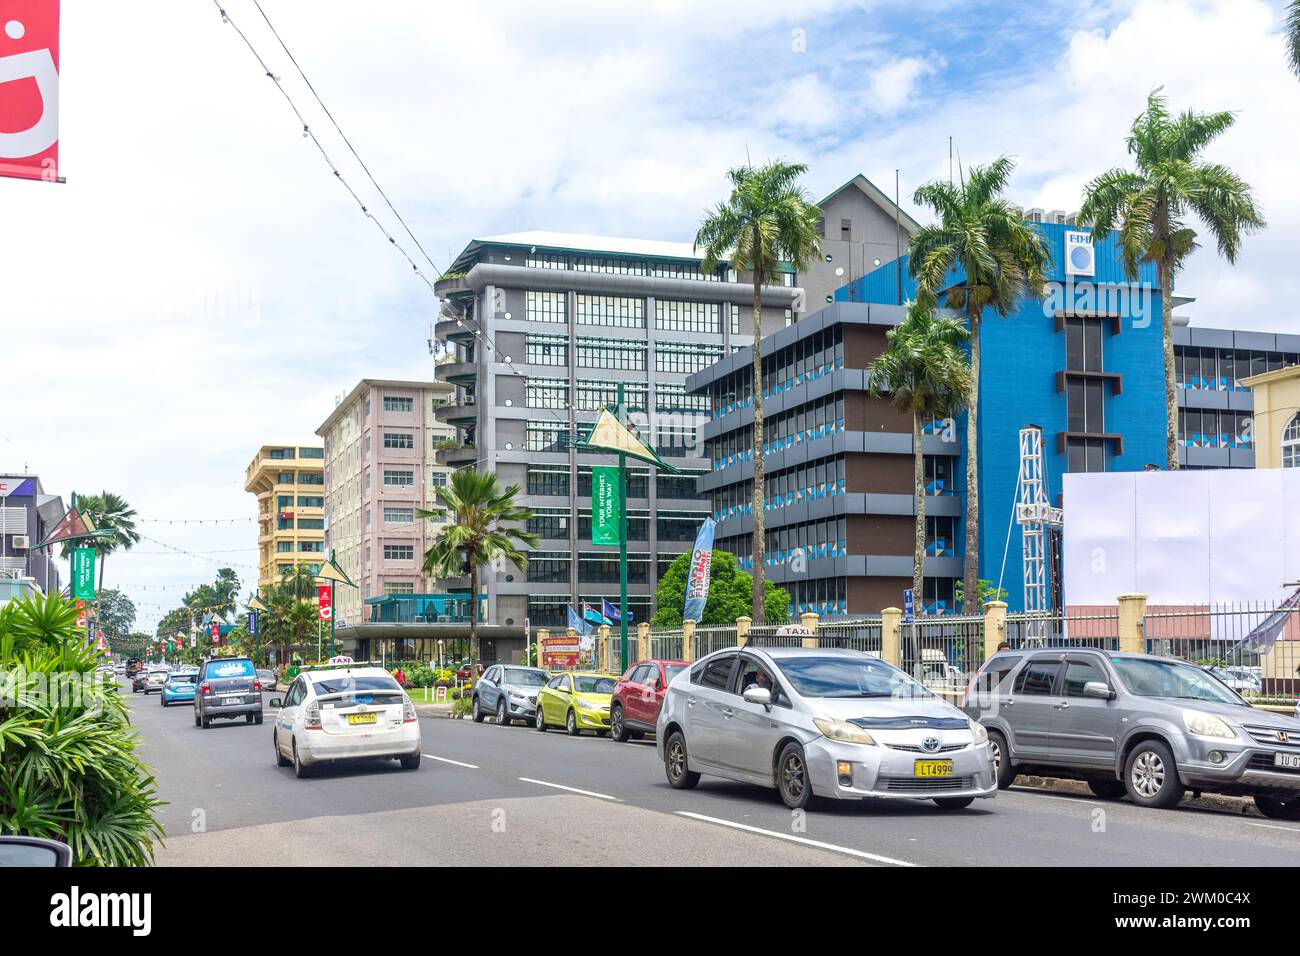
{"x": 820, "y": 723}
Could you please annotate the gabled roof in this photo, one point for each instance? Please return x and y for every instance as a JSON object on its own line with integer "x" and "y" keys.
{"x": 880, "y": 198}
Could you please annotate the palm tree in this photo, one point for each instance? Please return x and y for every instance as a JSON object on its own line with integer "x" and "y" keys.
{"x": 109, "y": 512}
{"x": 483, "y": 527}
{"x": 298, "y": 581}
{"x": 1150, "y": 204}
{"x": 767, "y": 219}
{"x": 1293, "y": 36}
{"x": 979, "y": 255}
{"x": 926, "y": 375}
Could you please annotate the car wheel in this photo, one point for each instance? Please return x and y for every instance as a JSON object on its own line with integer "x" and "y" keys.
{"x": 411, "y": 762}
{"x": 539, "y": 722}
{"x": 571, "y": 724}
{"x": 475, "y": 713}
{"x": 1279, "y": 808}
{"x": 257, "y": 719}
{"x": 205, "y": 722}
{"x": 162, "y": 700}
{"x": 953, "y": 803}
{"x": 248, "y": 718}
{"x": 502, "y": 719}
{"x": 1107, "y": 788}
{"x": 792, "y": 778}
{"x": 1151, "y": 777}
{"x": 300, "y": 769}
{"x": 196, "y": 719}
{"x": 616, "y": 728}
{"x": 675, "y": 763}
{"x": 280, "y": 759}
{"x": 1003, "y": 772}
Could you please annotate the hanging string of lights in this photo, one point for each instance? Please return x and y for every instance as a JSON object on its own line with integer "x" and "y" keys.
{"x": 201, "y": 557}
{"x": 189, "y": 521}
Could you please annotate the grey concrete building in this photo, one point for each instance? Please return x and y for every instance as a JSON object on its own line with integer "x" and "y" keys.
{"x": 27, "y": 515}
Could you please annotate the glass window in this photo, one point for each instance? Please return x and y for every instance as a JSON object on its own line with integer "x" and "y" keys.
{"x": 399, "y": 552}
{"x": 1291, "y": 443}
{"x": 1078, "y": 673}
{"x": 399, "y": 478}
{"x": 687, "y": 316}
{"x": 1037, "y": 678}
{"x": 399, "y": 515}
{"x": 546, "y": 393}
{"x": 398, "y": 403}
{"x": 546, "y": 350}
{"x": 1151, "y": 677}
{"x": 546, "y": 306}
{"x": 714, "y": 673}
{"x": 399, "y": 440}
{"x": 623, "y": 311}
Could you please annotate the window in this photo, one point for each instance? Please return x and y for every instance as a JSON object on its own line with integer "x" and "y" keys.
{"x": 283, "y": 547}
{"x": 399, "y": 552}
{"x": 549, "y": 611}
{"x": 1038, "y": 678}
{"x": 1084, "y": 405}
{"x": 399, "y": 479}
{"x": 398, "y": 403}
{"x": 312, "y": 547}
{"x": 619, "y": 354}
{"x": 940, "y": 535}
{"x": 1085, "y": 454}
{"x": 311, "y": 501}
{"x": 1078, "y": 673}
{"x": 687, "y": 316}
{"x": 399, "y": 440}
{"x": 623, "y": 311}
{"x": 548, "y": 480}
{"x": 1291, "y": 443}
{"x": 994, "y": 673}
{"x": 546, "y": 393}
{"x": 281, "y": 454}
{"x": 311, "y": 478}
{"x": 311, "y": 524}
{"x": 939, "y": 475}
{"x": 546, "y": 306}
{"x": 311, "y": 452}
{"x": 546, "y": 349}
{"x": 399, "y": 587}
{"x": 438, "y": 479}
{"x": 549, "y": 522}
{"x": 549, "y": 567}
{"x": 846, "y": 230}
{"x": 1083, "y": 345}
{"x": 284, "y": 478}
{"x": 593, "y": 395}
{"x": 399, "y": 515}
{"x": 714, "y": 673}
{"x": 546, "y": 436}
{"x": 685, "y": 357}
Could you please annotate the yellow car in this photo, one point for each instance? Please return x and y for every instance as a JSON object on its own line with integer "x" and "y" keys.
{"x": 576, "y": 702}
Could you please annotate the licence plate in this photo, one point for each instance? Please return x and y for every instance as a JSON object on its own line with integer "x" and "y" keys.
{"x": 1290, "y": 761}
{"x": 363, "y": 718}
{"x": 232, "y": 699}
{"x": 933, "y": 768}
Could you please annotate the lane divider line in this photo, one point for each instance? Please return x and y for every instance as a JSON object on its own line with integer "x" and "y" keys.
{"x": 1271, "y": 826}
{"x": 560, "y": 786}
{"x": 457, "y": 763}
{"x": 818, "y": 844}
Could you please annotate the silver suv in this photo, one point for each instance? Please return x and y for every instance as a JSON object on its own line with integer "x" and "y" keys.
{"x": 1151, "y": 727}
{"x": 509, "y": 692}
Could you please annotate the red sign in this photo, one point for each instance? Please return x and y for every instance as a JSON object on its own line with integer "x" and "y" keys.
{"x": 216, "y": 634}
{"x": 324, "y": 607}
{"x": 29, "y": 89}
{"x": 559, "y": 653}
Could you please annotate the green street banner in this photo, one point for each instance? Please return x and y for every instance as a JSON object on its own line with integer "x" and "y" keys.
{"x": 83, "y": 573}
{"x": 606, "y": 505}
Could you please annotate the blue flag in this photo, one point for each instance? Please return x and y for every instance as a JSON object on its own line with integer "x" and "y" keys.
{"x": 611, "y": 612}
{"x": 576, "y": 622}
{"x": 589, "y": 613}
{"x": 697, "y": 576}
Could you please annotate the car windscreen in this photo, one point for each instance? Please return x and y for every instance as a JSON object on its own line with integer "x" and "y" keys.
{"x": 848, "y": 677}
{"x": 182, "y": 678}
{"x": 528, "y": 678}
{"x": 1155, "y": 678}
{"x": 344, "y": 685}
{"x": 672, "y": 670}
{"x": 224, "y": 669}
{"x": 593, "y": 685}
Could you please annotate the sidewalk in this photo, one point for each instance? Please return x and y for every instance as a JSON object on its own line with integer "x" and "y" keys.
{"x": 434, "y": 710}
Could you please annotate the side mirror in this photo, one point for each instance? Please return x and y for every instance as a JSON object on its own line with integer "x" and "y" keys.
{"x": 275, "y": 702}
{"x": 33, "y": 851}
{"x": 758, "y": 695}
{"x": 1098, "y": 689}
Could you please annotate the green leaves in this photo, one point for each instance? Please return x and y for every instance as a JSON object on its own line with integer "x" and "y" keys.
{"x": 484, "y": 525}
{"x": 924, "y": 371}
{"x": 730, "y": 593}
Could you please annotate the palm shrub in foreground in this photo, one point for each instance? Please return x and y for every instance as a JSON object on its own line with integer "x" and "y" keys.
{"x": 68, "y": 766}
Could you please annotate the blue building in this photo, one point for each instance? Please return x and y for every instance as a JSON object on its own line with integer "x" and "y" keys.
{"x": 1084, "y": 362}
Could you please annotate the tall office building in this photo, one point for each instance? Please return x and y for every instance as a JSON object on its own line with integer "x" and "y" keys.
{"x": 380, "y": 469}
{"x": 288, "y": 480}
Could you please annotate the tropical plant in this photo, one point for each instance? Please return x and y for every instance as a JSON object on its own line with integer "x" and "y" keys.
{"x": 485, "y": 525}
{"x": 114, "y": 613}
{"x": 109, "y": 513}
{"x": 68, "y": 766}
{"x": 298, "y": 581}
{"x": 987, "y": 592}
{"x": 730, "y": 594}
{"x": 979, "y": 255}
{"x": 1150, "y": 206}
{"x": 926, "y": 374}
{"x": 768, "y": 219}
{"x": 1293, "y": 36}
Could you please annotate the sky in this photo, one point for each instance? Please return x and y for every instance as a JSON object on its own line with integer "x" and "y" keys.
{"x": 202, "y": 285}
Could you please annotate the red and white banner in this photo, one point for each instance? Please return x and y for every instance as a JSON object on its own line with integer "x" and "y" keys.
{"x": 29, "y": 89}
{"x": 324, "y": 603}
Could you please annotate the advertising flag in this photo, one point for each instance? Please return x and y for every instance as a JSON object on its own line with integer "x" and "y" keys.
{"x": 606, "y": 505}
{"x": 216, "y": 634}
{"x": 29, "y": 89}
{"x": 323, "y": 606}
{"x": 697, "y": 576}
{"x": 83, "y": 573}
{"x": 576, "y": 622}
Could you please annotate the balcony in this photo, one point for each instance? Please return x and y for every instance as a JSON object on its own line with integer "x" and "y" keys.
{"x": 452, "y": 286}
{"x": 458, "y": 373}
{"x": 423, "y": 609}
{"x": 455, "y": 454}
{"x": 454, "y": 330}
{"x": 462, "y": 410}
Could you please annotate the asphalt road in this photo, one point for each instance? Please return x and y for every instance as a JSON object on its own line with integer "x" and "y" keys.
{"x": 494, "y": 795}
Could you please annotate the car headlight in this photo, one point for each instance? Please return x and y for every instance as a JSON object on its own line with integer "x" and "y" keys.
{"x": 590, "y": 705}
{"x": 978, "y": 732}
{"x": 843, "y": 732}
{"x": 1206, "y": 725}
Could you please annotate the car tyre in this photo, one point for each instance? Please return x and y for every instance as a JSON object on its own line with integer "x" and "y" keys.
{"x": 1278, "y": 808}
{"x": 1003, "y": 771}
{"x": 162, "y": 700}
{"x": 257, "y": 719}
{"x": 676, "y": 765}
{"x": 476, "y": 714}
{"x": 953, "y": 803}
{"x": 196, "y": 719}
{"x": 411, "y": 761}
{"x": 205, "y": 722}
{"x": 617, "y": 730}
{"x": 792, "y": 780}
{"x": 571, "y": 724}
{"x": 248, "y": 718}
{"x": 1107, "y": 788}
{"x": 502, "y": 719}
{"x": 1150, "y": 776}
{"x": 300, "y": 769}
{"x": 539, "y": 721}
{"x": 280, "y": 759}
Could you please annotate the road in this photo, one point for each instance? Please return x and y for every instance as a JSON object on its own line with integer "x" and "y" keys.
{"x": 489, "y": 795}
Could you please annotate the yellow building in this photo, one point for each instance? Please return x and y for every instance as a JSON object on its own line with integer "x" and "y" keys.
{"x": 1277, "y": 417}
{"x": 289, "y": 482}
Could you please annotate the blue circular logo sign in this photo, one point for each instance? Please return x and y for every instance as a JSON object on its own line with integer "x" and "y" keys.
{"x": 1081, "y": 257}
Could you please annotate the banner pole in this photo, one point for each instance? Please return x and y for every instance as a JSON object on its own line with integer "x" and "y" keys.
{"x": 622, "y": 540}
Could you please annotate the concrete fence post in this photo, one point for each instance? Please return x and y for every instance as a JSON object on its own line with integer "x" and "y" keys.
{"x": 1132, "y": 623}
{"x": 602, "y": 649}
{"x": 891, "y": 648}
{"x": 742, "y": 629}
{"x": 643, "y": 641}
{"x": 809, "y": 620}
{"x": 688, "y": 640}
{"x": 995, "y": 626}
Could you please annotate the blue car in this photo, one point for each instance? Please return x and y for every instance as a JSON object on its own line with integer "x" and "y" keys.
{"x": 178, "y": 689}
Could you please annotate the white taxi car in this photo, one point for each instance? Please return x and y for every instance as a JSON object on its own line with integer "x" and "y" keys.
{"x": 345, "y": 713}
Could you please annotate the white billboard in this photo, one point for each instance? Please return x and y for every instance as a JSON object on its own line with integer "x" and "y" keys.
{"x": 1182, "y": 537}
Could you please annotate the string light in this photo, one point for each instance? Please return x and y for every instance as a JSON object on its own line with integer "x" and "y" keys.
{"x": 201, "y": 557}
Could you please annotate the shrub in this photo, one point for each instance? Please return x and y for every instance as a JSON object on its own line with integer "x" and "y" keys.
{"x": 462, "y": 707}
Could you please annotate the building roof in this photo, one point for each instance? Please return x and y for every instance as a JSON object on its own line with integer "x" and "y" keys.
{"x": 1277, "y": 375}
{"x": 879, "y": 197}
{"x": 365, "y": 383}
{"x": 546, "y": 241}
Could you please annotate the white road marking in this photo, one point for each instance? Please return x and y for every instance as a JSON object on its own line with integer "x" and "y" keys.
{"x": 1271, "y": 826}
{"x": 1078, "y": 800}
{"x": 560, "y": 786}
{"x": 457, "y": 763}
{"x": 833, "y": 847}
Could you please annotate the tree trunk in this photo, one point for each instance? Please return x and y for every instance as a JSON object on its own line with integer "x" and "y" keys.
{"x": 760, "y": 544}
{"x": 473, "y": 616}
{"x": 918, "y": 558}
{"x": 971, "y": 577}
{"x": 1171, "y": 385}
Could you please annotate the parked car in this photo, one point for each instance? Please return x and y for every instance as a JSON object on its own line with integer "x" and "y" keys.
{"x": 227, "y": 687}
{"x": 509, "y": 692}
{"x": 820, "y": 723}
{"x": 155, "y": 677}
{"x": 345, "y": 713}
{"x": 638, "y": 695}
{"x": 938, "y": 673}
{"x": 576, "y": 702}
{"x": 119, "y": 668}
{"x": 463, "y": 671}
{"x": 268, "y": 678}
{"x": 1239, "y": 679}
{"x": 179, "y": 688}
{"x": 1136, "y": 724}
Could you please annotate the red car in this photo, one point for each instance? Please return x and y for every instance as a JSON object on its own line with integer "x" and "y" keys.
{"x": 637, "y": 697}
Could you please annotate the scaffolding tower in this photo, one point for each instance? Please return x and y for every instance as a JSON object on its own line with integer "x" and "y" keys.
{"x": 1035, "y": 515}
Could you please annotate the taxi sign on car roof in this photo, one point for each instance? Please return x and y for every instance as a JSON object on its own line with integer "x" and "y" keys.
{"x": 341, "y": 661}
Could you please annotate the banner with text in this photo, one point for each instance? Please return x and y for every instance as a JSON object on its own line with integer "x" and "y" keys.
{"x": 83, "y": 573}
{"x": 606, "y": 505}
{"x": 29, "y": 89}
{"x": 697, "y": 576}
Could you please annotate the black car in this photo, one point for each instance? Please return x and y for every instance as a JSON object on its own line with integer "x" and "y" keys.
{"x": 228, "y": 687}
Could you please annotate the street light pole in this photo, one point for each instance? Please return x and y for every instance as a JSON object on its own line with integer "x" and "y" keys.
{"x": 622, "y": 539}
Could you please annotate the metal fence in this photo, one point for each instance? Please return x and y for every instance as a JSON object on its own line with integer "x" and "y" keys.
{"x": 666, "y": 645}
{"x": 765, "y": 635}
{"x": 1254, "y": 647}
{"x": 944, "y": 651}
{"x": 714, "y": 638}
{"x": 1094, "y": 629}
{"x": 863, "y": 635}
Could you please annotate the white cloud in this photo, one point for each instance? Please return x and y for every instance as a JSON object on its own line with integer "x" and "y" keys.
{"x": 893, "y": 85}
